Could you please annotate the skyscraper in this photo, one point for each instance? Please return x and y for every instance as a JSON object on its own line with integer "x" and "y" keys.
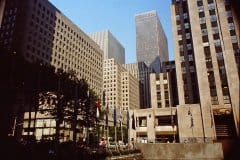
{"x": 111, "y": 47}
{"x": 151, "y": 41}
{"x": 37, "y": 31}
{"x": 41, "y": 33}
{"x": 206, "y": 40}
{"x": 141, "y": 72}
{"x": 121, "y": 88}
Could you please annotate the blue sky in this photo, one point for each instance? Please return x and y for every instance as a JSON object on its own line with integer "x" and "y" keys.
{"x": 118, "y": 17}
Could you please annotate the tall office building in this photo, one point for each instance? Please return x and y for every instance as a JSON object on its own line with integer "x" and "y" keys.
{"x": 130, "y": 91}
{"x": 121, "y": 88}
{"x": 112, "y": 82}
{"x": 151, "y": 41}
{"x": 169, "y": 67}
{"x": 161, "y": 93}
{"x": 41, "y": 33}
{"x": 206, "y": 43}
{"x": 111, "y": 47}
{"x": 140, "y": 71}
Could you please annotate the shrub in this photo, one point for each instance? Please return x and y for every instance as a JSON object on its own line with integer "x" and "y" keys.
{"x": 115, "y": 153}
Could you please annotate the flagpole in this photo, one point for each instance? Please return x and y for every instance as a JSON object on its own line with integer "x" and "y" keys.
{"x": 107, "y": 137}
{"x": 121, "y": 131}
{"x": 128, "y": 130}
{"x": 98, "y": 118}
{"x": 115, "y": 128}
{"x": 121, "y": 125}
{"x": 115, "y": 125}
{"x": 107, "y": 125}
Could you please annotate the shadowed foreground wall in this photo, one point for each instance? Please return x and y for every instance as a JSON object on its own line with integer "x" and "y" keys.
{"x": 182, "y": 151}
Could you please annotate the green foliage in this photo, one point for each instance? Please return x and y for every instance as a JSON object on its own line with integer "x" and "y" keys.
{"x": 30, "y": 80}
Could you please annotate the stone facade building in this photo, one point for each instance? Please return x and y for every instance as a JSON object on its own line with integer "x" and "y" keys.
{"x": 41, "y": 33}
{"x": 120, "y": 87}
{"x": 206, "y": 43}
{"x": 140, "y": 71}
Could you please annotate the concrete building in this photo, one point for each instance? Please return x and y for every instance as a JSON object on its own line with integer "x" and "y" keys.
{"x": 169, "y": 67}
{"x": 151, "y": 41}
{"x": 41, "y": 33}
{"x": 130, "y": 91}
{"x": 206, "y": 43}
{"x": 154, "y": 125}
{"x": 161, "y": 95}
{"x": 157, "y": 124}
{"x": 111, "y": 47}
{"x": 121, "y": 88}
{"x": 112, "y": 82}
{"x": 141, "y": 72}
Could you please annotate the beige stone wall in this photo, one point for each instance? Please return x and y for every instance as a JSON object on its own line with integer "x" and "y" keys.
{"x": 130, "y": 91}
{"x": 173, "y": 151}
{"x": 230, "y": 64}
{"x": 190, "y": 124}
{"x": 162, "y": 82}
{"x": 151, "y": 129}
{"x": 177, "y": 57}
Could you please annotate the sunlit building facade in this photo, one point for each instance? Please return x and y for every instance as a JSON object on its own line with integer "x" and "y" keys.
{"x": 111, "y": 47}
{"x": 120, "y": 87}
{"x": 130, "y": 91}
{"x": 140, "y": 71}
{"x": 206, "y": 43}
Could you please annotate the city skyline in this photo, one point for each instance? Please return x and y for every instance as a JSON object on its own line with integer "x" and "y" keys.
{"x": 118, "y": 17}
{"x": 62, "y": 92}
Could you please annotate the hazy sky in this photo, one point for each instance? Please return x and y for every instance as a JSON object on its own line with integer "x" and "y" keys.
{"x": 118, "y": 17}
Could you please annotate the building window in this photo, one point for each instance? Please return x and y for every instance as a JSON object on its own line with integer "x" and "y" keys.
{"x": 186, "y": 25}
{"x": 205, "y": 38}
{"x": 159, "y": 105}
{"x": 229, "y": 13}
{"x": 215, "y": 30}
{"x": 214, "y": 24}
{"x": 199, "y": 3}
{"x": 200, "y": 8}
{"x": 207, "y": 52}
{"x": 189, "y": 46}
{"x": 203, "y": 26}
{"x": 142, "y": 121}
{"x": 213, "y": 18}
{"x": 231, "y": 26}
{"x": 185, "y": 15}
{"x": 201, "y": 14}
{"x": 211, "y": 6}
{"x": 234, "y": 39}
{"x": 204, "y": 32}
{"x": 212, "y": 12}
{"x": 216, "y": 36}
{"x": 202, "y": 20}
{"x": 209, "y": 63}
